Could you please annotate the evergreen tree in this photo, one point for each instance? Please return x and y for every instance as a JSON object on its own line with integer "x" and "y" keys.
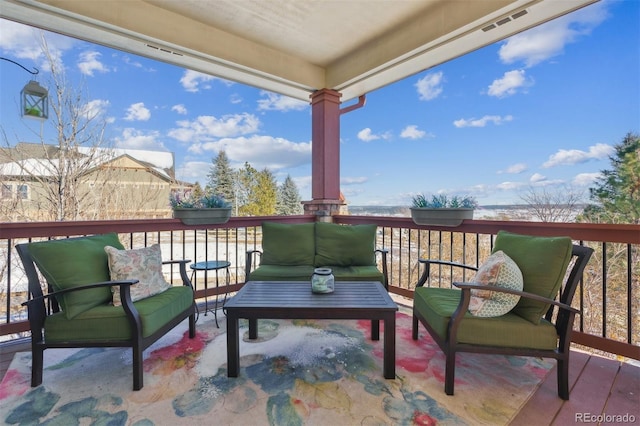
{"x": 245, "y": 182}
{"x": 617, "y": 192}
{"x": 262, "y": 195}
{"x": 221, "y": 178}
{"x": 197, "y": 190}
{"x": 288, "y": 202}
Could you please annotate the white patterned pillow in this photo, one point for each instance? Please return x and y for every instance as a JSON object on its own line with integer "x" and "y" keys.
{"x": 144, "y": 264}
{"x": 501, "y": 271}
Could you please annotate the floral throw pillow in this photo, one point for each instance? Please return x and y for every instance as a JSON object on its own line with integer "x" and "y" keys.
{"x": 144, "y": 264}
{"x": 501, "y": 271}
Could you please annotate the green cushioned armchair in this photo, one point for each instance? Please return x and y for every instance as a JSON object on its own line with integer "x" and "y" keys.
{"x": 541, "y": 323}
{"x": 77, "y": 310}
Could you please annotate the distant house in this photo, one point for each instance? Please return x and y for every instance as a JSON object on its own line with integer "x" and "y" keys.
{"x": 40, "y": 182}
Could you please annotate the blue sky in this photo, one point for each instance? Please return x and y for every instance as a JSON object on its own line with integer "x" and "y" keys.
{"x": 542, "y": 109}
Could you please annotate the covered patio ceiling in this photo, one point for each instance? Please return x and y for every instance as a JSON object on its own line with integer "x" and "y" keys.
{"x": 293, "y": 47}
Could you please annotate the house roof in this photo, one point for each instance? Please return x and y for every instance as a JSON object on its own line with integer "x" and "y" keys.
{"x": 40, "y": 160}
{"x": 294, "y": 47}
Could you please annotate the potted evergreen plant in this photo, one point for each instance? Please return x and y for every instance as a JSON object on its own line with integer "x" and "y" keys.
{"x": 441, "y": 210}
{"x": 208, "y": 209}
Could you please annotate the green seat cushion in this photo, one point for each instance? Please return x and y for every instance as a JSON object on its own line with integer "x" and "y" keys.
{"x": 345, "y": 245}
{"x": 281, "y": 273}
{"x": 74, "y": 262}
{"x": 288, "y": 244}
{"x": 357, "y": 273}
{"x": 303, "y": 273}
{"x": 108, "y": 322}
{"x": 437, "y": 305}
{"x": 543, "y": 262}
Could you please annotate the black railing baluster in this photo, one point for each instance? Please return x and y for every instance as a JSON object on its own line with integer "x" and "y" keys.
{"x": 604, "y": 289}
{"x": 8, "y": 275}
{"x": 630, "y": 298}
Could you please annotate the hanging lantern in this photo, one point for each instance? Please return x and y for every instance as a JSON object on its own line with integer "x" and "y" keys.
{"x": 35, "y": 101}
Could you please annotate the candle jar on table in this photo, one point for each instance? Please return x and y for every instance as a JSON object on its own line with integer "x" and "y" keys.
{"x": 322, "y": 280}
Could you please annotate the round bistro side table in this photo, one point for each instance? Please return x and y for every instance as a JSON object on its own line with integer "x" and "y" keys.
{"x": 217, "y": 266}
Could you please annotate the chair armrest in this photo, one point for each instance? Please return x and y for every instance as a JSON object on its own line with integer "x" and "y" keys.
{"x": 249, "y": 261}
{"x": 176, "y": 261}
{"x": 426, "y": 271}
{"x": 472, "y": 286}
{"x": 182, "y": 263}
{"x": 126, "y": 283}
{"x": 465, "y": 298}
{"x": 447, "y": 263}
{"x": 385, "y": 271}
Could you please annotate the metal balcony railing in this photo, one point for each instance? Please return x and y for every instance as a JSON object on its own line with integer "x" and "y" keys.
{"x": 608, "y": 298}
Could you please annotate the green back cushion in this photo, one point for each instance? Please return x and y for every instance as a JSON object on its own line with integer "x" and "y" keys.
{"x": 73, "y": 262}
{"x": 543, "y": 262}
{"x": 288, "y": 244}
{"x": 345, "y": 245}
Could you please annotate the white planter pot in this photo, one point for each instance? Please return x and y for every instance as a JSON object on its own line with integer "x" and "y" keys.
{"x": 209, "y": 216}
{"x": 440, "y": 217}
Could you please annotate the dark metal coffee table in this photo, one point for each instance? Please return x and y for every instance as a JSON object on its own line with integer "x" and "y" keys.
{"x": 294, "y": 300}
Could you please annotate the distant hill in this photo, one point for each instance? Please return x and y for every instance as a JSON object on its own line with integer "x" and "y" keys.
{"x": 492, "y": 211}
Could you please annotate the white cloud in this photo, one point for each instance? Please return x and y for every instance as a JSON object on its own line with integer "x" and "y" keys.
{"x": 137, "y": 112}
{"x": 89, "y": 62}
{"x": 547, "y": 182}
{"x": 353, "y": 180}
{"x": 565, "y": 157}
{"x": 275, "y": 102}
{"x": 25, "y": 42}
{"x": 206, "y": 128}
{"x": 137, "y": 139}
{"x": 482, "y": 122}
{"x": 515, "y": 168}
{"x": 353, "y": 191}
{"x": 95, "y": 108}
{"x": 129, "y": 61}
{"x": 509, "y": 84}
{"x": 180, "y": 109}
{"x": 548, "y": 40}
{"x": 586, "y": 179}
{"x": 235, "y": 98}
{"x": 303, "y": 182}
{"x": 412, "y": 132}
{"x": 19, "y": 40}
{"x": 193, "y": 171}
{"x": 509, "y": 186}
{"x": 537, "y": 177}
{"x": 367, "y": 135}
{"x": 262, "y": 151}
{"x": 194, "y": 81}
{"x": 430, "y": 86}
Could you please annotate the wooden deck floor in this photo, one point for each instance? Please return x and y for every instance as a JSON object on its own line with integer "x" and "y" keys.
{"x": 599, "y": 386}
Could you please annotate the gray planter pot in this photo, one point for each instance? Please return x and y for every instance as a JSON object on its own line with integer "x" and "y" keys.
{"x": 440, "y": 217}
{"x": 210, "y": 216}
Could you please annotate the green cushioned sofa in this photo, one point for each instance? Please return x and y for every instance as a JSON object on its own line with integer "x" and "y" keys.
{"x": 290, "y": 252}
{"x": 77, "y": 310}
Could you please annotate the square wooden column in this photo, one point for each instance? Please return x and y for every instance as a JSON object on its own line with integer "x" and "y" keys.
{"x": 325, "y": 154}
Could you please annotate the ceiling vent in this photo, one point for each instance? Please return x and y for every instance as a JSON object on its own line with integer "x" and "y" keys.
{"x": 505, "y": 20}
{"x": 164, "y": 50}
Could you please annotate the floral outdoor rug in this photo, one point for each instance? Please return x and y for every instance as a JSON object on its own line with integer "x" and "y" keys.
{"x": 304, "y": 372}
